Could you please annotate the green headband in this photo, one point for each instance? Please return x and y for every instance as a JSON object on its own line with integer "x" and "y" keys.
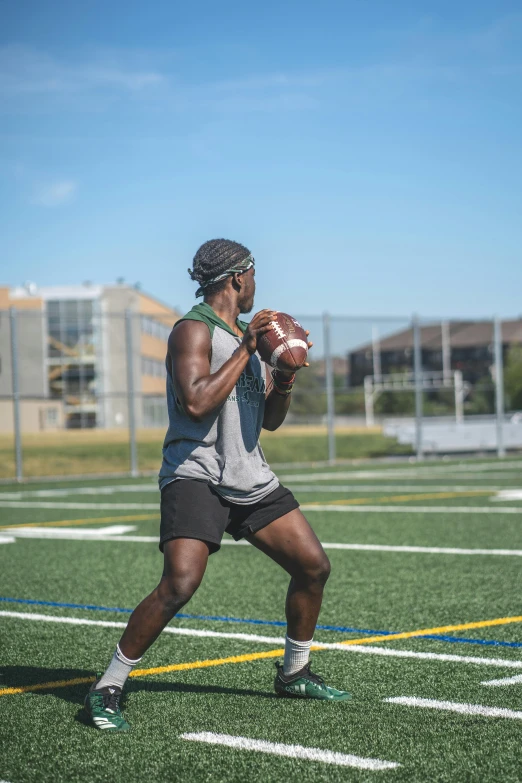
{"x": 242, "y": 266}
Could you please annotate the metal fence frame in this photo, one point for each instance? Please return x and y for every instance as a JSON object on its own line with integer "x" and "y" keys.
{"x": 418, "y": 385}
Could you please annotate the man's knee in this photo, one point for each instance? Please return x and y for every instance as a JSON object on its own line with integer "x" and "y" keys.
{"x": 317, "y": 569}
{"x": 175, "y": 590}
{"x": 184, "y": 565}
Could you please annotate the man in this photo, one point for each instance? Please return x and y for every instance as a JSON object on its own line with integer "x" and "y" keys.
{"x": 214, "y": 478}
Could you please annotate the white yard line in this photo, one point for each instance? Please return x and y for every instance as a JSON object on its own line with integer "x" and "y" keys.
{"x": 307, "y": 507}
{"x": 412, "y": 472}
{"x": 427, "y": 656}
{"x": 453, "y": 706}
{"x": 414, "y": 509}
{"x": 277, "y": 640}
{"x": 130, "y": 539}
{"x": 496, "y": 469}
{"x": 6, "y": 540}
{"x": 64, "y": 492}
{"x": 376, "y": 488}
{"x": 508, "y": 494}
{"x": 124, "y": 489}
{"x": 49, "y": 618}
{"x": 504, "y": 681}
{"x": 431, "y": 550}
{"x": 117, "y": 533}
{"x": 86, "y": 506}
{"x": 108, "y": 533}
{"x": 290, "y": 751}
{"x": 74, "y": 533}
{"x": 403, "y": 476}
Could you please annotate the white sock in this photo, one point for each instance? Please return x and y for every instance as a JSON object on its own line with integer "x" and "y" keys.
{"x": 119, "y": 669}
{"x": 296, "y": 655}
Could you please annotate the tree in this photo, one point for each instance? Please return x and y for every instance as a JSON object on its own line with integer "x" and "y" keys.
{"x": 513, "y": 378}
{"x": 481, "y": 400}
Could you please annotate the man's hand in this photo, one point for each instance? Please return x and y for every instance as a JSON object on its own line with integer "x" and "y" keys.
{"x": 258, "y": 326}
{"x": 307, "y": 364}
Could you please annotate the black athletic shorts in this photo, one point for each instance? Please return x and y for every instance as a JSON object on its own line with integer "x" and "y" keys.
{"x": 192, "y": 509}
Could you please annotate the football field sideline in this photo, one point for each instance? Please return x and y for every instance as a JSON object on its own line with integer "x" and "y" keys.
{"x": 422, "y": 551}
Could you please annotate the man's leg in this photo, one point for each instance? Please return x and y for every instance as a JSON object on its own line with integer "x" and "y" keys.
{"x": 185, "y": 560}
{"x": 291, "y": 542}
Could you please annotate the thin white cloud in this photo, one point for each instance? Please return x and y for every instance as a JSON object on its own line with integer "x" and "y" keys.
{"x": 55, "y": 194}
{"x": 31, "y": 80}
{"x": 272, "y": 80}
{"x": 24, "y": 71}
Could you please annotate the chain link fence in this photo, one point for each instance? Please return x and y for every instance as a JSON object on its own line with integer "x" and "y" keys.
{"x": 82, "y": 391}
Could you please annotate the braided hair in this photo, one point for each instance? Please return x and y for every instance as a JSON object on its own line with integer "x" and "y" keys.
{"x": 215, "y": 259}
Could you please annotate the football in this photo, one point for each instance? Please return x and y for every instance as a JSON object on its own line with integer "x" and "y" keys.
{"x": 285, "y": 346}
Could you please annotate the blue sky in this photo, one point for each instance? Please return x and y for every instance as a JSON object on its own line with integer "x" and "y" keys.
{"x": 368, "y": 153}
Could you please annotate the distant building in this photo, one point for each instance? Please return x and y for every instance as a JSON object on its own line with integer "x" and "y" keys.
{"x": 72, "y": 356}
{"x": 458, "y": 345}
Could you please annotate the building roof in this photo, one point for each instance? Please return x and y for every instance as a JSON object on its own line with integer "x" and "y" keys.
{"x": 48, "y": 293}
{"x": 463, "y": 334}
{"x": 89, "y": 291}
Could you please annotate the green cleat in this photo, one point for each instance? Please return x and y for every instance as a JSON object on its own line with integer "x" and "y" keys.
{"x": 103, "y": 708}
{"x": 304, "y": 684}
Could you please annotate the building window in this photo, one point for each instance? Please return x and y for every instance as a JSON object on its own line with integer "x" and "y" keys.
{"x": 155, "y": 412}
{"x": 71, "y": 359}
{"x": 155, "y": 328}
{"x": 154, "y": 367}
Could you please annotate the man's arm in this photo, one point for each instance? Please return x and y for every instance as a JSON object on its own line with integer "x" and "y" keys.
{"x": 199, "y": 392}
{"x": 278, "y": 401}
{"x": 276, "y": 406}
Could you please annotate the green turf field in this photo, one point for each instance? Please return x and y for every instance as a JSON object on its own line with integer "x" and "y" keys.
{"x": 426, "y": 592}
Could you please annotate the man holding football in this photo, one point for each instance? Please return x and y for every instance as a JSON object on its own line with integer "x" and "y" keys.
{"x": 214, "y": 478}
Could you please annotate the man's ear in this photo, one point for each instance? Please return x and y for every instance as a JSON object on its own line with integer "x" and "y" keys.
{"x": 237, "y": 282}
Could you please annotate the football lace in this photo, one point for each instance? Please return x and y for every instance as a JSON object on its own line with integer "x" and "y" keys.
{"x": 278, "y": 330}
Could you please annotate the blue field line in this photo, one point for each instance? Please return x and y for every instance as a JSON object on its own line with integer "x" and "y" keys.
{"x": 487, "y": 642}
{"x": 219, "y": 618}
{"x": 252, "y": 621}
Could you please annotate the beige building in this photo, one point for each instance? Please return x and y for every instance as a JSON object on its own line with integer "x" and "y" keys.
{"x": 80, "y": 350}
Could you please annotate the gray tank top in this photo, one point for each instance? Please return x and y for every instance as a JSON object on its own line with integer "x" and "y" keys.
{"x": 223, "y": 449}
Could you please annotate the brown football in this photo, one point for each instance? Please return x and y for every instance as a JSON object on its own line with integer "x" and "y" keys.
{"x": 285, "y": 346}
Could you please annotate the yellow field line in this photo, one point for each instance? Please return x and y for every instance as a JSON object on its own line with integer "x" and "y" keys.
{"x": 175, "y": 667}
{"x": 92, "y": 520}
{"x": 401, "y": 498}
{"x": 42, "y": 686}
{"x": 434, "y": 631}
{"x": 260, "y": 655}
{"x": 178, "y": 667}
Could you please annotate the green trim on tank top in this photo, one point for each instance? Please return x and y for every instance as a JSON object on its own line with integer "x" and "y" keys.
{"x": 204, "y": 313}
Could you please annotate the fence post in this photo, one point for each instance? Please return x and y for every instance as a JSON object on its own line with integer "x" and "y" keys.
{"x": 130, "y": 394}
{"x": 446, "y": 351}
{"x": 368, "y": 401}
{"x": 459, "y": 396}
{"x": 16, "y": 394}
{"x": 330, "y": 400}
{"x": 499, "y": 386}
{"x": 417, "y": 371}
{"x": 376, "y": 353}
